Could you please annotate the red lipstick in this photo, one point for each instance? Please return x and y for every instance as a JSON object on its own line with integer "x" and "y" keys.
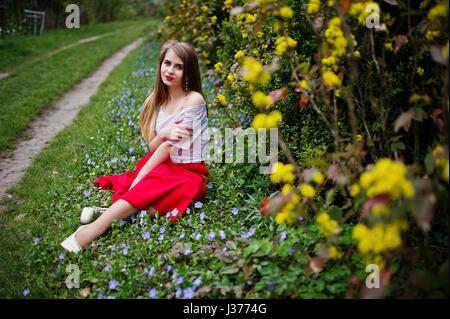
{"x": 168, "y": 78}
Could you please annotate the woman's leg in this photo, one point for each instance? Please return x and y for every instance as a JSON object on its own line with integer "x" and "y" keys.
{"x": 120, "y": 210}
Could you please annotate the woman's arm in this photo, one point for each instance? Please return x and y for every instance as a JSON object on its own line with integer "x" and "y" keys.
{"x": 159, "y": 156}
{"x": 155, "y": 142}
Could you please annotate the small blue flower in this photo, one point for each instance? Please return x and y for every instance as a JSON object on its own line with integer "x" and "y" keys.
{"x": 131, "y": 150}
{"x": 107, "y": 267}
{"x": 210, "y": 185}
{"x": 283, "y": 236}
{"x": 188, "y": 293}
{"x": 124, "y": 269}
{"x": 26, "y": 291}
{"x": 180, "y": 280}
{"x": 152, "y": 271}
{"x": 161, "y": 237}
{"x": 61, "y": 256}
{"x": 202, "y": 216}
{"x": 235, "y": 211}
{"x": 271, "y": 285}
{"x": 111, "y": 297}
{"x": 189, "y": 220}
{"x": 198, "y": 236}
{"x": 222, "y": 234}
{"x": 113, "y": 284}
{"x": 162, "y": 230}
{"x": 125, "y": 250}
{"x": 197, "y": 282}
{"x": 146, "y": 235}
{"x": 36, "y": 241}
{"x": 86, "y": 193}
{"x": 211, "y": 235}
{"x": 153, "y": 293}
{"x": 169, "y": 268}
{"x": 187, "y": 251}
{"x": 198, "y": 205}
{"x": 100, "y": 296}
{"x": 178, "y": 293}
{"x": 182, "y": 236}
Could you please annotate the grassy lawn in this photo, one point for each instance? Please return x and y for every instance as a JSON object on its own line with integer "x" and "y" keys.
{"x": 17, "y": 50}
{"x": 221, "y": 247}
{"x": 31, "y": 89}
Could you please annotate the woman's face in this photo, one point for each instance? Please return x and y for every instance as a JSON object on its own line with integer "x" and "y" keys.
{"x": 172, "y": 69}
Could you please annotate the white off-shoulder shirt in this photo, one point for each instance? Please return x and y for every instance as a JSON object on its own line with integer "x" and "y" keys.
{"x": 189, "y": 149}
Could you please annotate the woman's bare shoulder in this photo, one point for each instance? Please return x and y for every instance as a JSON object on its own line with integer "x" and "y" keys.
{"x": 193, "y": 99}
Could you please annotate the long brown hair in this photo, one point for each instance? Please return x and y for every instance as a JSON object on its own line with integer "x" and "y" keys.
{"x": 160, "y": 95}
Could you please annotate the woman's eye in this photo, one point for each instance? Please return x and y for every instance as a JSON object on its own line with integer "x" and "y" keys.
{"x": 180, "y": 67}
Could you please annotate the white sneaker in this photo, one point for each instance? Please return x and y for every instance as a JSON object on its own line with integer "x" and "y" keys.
{"x": 88, "y": 214}
{"x": 71, "y": 244}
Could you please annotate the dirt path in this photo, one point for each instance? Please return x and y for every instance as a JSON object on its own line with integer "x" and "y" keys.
{"x": 54, "y": 119}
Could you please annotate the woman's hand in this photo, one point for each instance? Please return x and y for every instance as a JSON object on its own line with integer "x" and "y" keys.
{"x": 175, "y": 131}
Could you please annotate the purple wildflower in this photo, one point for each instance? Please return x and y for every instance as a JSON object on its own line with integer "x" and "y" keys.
{"x": 26, "y": 291}
{"x": 211, "y": 235}
{"x": 235, "y": 211}
{"x": 161, "y": 237}
{"x": 146, "y": 235}
{"x": 180, "y": 280}
{"x": 169, "y": 268}
{"x": 283, "y": 236}
{"x": 61, "y": 256}
{"x": 36, "y": 241}
{"x": 153, "y": 293}
{"x": 187, "y": 251}
{"x": 178, "y": 293}
{"x": 86, "y": 193}
{"x": 113, "y": 284}
{"x": 197, "y": 282}
{"x": 107, "y": 267}
{"x": 198, "y": 205}
{"x": 222, "y": 234}
{"x": 202, "y": 216}
{"x": 188, "y": 293}
{"x": 131, "y": 150}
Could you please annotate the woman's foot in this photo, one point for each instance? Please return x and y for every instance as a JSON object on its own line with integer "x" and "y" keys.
{"x": 71, "y": 244}
{"x": 88, "y": 213}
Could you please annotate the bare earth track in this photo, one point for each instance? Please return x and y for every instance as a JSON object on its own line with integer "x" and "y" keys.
{"x": 54, "y": 119}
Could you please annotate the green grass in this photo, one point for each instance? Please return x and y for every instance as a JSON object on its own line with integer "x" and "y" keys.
{"x": 25, "y": 93}
{"x": 252, "y": 261}
{"x": 18, "y": 50}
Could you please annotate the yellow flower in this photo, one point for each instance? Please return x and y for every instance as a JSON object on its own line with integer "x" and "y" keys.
{"x": 213, "y": 19}
{"x": 285, "y": 217}
{"x": 260, "y": 100}
{"x": 284, "y": 43}
{"x": 387, "y": 177}
{"x": 219, "y": 66}
{"x": 327, "y": 226}
{"x": 259, "y": 34}
{"x": 281, "y": 172}
{"x": 331, "y": 79}
{"x": 305, "y": 85}
{"x": 231, "y": 76}
{"x": 266, "y": 121}
{"x": 318, "y": 178}
{"x": 420, "y": 71}
{"x": 254, "y": 71}
{"x": 287, "y": 188}
{"x": 286, "y": 12}
{"x": 388, "y": 46}
{"x": 354, "y": 190}
{"x": 359, "y": 138}
{"x": 359, "y": 231}
{"x": 307, "y": 190}
{"x": 335, "y": 253}
{"x": 439, "y": 11}
{"x": 204, "y": 8}
{"x": 239, "y": 54}
{"x": 222, "y": 99}
{"x": 381, "y": 209}
{"x": 313, "y": 6}
{"x": 430, "y": 35}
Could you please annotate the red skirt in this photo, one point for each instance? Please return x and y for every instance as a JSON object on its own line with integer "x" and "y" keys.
{"x": 168, "y": 186}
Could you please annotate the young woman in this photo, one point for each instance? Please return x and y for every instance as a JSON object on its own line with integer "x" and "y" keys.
{"x": 173, "y": 121}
